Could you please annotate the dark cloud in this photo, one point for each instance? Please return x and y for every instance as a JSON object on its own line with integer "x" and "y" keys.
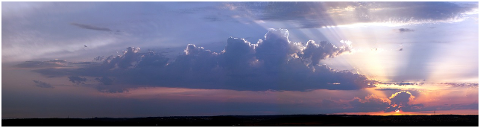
{"x": 91, "y": 27}
{"x": 420, "y": 107}
{"x": 318, "y": 14}
{"x": 42, "y": 84}
{"x": 108, "y": 85}
{"x": 404, "y": 83}
{"x": 129, "y": 59}
{"x": 54, "y": 64}
{"x": 80, "y": 63}
{"x": 401, "y": 98}
{"x": 238, "y": 56}
{"x": 400, "y": 101}
{"x": 316, "y": 52}
{"x": 274, "y": 49}
{"x": 105, "y": 84}
{"x": 473, "y": 106}
{"x": 388, "y": 89}
{"x": 369, "y": 104}
{"x": 326, "y": 103}
{"x": 99, "y": 58}
{"x": 405, "y": 30}
{"x": 77, "y": 79}
{"x": 43, "y": 64}
{"x": 213, "y": 18}
{"x": 308, "y": 14}
{"x": 105, "y": 80}
{"x": 152, "y": 60}
{"x": 55, "y": 72}
{"x": 273, "y": 63}
{"x": 461, "y": 84}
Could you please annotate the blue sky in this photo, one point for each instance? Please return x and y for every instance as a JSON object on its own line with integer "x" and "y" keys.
{"x": 130, "y": 59}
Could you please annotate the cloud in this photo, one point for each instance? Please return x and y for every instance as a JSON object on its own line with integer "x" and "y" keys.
{"x": 272, "y": 63}
{"x": 398, "y": 101}
{"x": 55, "y": 72}
{"x": 403, "y": 83}
{"x": 43, "y": 64}
{"x": 326, "y": 103}
{"x": 421, "y": 107}
{"x": 318, "y": 14}
{"x": 77, "y": 80}
{"x": 473, "y": 85}
{"x": 401, "y": 98}
{"x": 370, "y": 103}
{"x": 388, "y": 89}
{"x": 42, "y": 84}
{"x": 473, "y": 106}
{"x": 274, "y": 49}
{"x": 152, "y": 60}
{"x": 91, "y": 27}
{"x": 405, "y": 30}
{"x": 104, "y": 84}
{"x": 51, "y": 64}
{"x": 316, "y": 52}
{"x": 401, "y": 101}
{"x": 105, "y": 80}
{"x": 238, "y": 55}
{"x": 128, "y": 60}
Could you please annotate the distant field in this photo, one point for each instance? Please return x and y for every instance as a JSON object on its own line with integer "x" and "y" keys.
{"x": 271, "y": 120}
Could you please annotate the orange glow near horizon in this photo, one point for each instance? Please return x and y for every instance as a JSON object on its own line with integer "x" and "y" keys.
{"x": 398, "y": 113}
{"x": 427, "y": 98}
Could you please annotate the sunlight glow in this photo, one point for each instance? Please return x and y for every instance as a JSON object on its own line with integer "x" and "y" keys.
{"x": 349, "y": 43}
{"x": 438, "y": 112}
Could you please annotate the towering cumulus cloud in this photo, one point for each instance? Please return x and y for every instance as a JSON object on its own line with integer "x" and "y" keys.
{"x": 274, "y": 50}
{"x": 273, "y": 63}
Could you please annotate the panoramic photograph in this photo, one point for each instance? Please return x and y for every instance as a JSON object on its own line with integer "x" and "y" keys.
{"x": 234, "y": 63}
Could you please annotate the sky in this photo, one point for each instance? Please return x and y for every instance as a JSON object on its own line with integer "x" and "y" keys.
{"x": 150, "y": 59}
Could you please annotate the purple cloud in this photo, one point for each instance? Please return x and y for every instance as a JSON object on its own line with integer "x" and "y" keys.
{"x": 42, "y": 84}
{"x": 273, "y": 63}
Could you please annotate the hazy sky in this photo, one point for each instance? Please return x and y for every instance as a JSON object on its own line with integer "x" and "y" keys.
{"x": 138, "y": 59}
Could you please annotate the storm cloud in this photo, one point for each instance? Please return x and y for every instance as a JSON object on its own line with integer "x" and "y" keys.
{"x": 272, "y": 63}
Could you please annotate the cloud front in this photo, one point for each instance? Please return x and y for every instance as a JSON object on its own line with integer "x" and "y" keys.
{"x": 272, "y": 63}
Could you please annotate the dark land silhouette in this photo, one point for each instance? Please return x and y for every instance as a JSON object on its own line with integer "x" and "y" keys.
{"x": 261, "y": 120}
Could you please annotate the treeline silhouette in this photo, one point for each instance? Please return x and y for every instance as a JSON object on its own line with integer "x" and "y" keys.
{"x": 262, "y": 120}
